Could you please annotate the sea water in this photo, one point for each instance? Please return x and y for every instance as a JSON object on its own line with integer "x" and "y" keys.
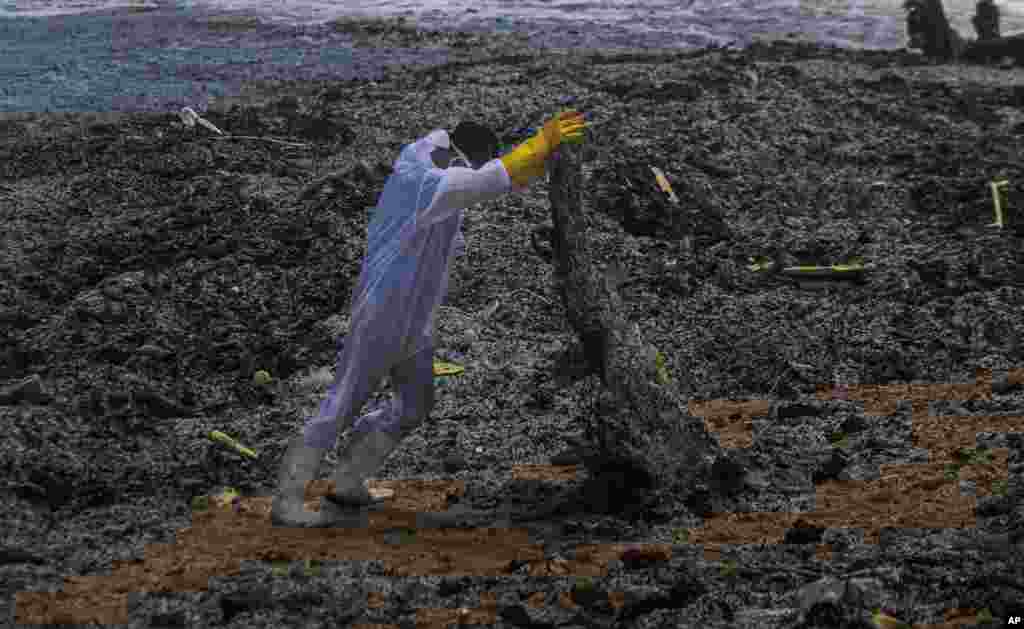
{"x": 641, "y": 16}
{"x": 70, "y": 55}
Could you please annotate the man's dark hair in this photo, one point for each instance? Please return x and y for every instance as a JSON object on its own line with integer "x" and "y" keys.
{"x": 478, "y": 142}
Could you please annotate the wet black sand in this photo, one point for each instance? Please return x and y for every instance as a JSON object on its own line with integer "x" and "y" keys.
{"x": 148, "y": 269}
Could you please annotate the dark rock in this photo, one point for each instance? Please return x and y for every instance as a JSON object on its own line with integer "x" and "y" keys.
{"x": 791, "y": 410}
{"x": 113, "y": 353}
{"x": 831, "y": 466}
{"x": 16, "y": 318}
{"x": 586, "y": 594}
{"x": 453, "y": 463}
{"x": 853, "y": 425}
{"x": 840, "y": 603}
{"x": 517, "y": 616}
{"x": 699, "y": 502}
{"x": 892, "y": 366}
{"x": 26, "y": 490}
{"x": 686, "y": 589}
{"x": 1004, "y": 384}
{"x": 728, "y": 474}
{"x": 30, "y": 389}
{"x": 190, "y": 484}
{"x": 174, "y": 618}
{"x": 159, "y": 405}
{"x": 154, "y": 351}
{"x": 639, "y": 559}
{"x": 301, "y": 602}
{"x": 118, "y": 399}
{"x": 58, "y": 485}
{"x": 312, "y": 128}
{"x": 244, "y": 601}
{"x": 452, "y": 586}
{"x": 576, "y": 452}
{"x": 803, "y": 533}
{"x": 658, "y": 92}
{"x": 17, "y": 555}
{"x": 991, "y": 506}
{"x": 15, "y": 360}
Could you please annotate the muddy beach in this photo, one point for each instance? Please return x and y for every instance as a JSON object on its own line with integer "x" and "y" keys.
{"x": 149, "y": 269}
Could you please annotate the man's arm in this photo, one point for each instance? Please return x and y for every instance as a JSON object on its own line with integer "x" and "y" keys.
{"x": 463, "y": 187}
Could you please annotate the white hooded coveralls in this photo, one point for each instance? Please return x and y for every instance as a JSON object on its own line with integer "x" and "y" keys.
{"x": 403, "y": 280}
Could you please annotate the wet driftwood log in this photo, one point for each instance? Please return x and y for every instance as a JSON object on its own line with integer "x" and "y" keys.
{"x": 642, "y": 442}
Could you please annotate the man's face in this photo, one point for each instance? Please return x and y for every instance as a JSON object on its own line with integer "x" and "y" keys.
{"x": 477, "y": 156}
{"x": 479, "y": 159}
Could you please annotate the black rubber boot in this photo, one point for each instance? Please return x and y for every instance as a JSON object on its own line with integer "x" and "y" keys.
{"x": 364, "y": 453}
{"x": 299, "y": 466}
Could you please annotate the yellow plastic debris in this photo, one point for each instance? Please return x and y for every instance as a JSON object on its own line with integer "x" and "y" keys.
{"x": 220, "y": 437}
{"x": 664, "y": 184}
{"x": 660, "y": 370}
{"x": 853, "y": 267}
{"x": 884, "y": 621}
{"x": 447, "y": 369}
{"x": 835, "y": 268}
{"x": 997, "y": 204}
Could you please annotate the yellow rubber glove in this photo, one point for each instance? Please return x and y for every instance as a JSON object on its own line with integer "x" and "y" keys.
{"x": 526, "y": 161}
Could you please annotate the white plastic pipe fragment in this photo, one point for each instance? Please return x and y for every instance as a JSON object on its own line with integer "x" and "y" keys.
{"x": 997, "y": 201}
{"x": 666, "y": 187}
{"x": 189, "y": 117}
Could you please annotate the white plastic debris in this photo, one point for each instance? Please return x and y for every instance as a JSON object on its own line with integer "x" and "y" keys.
{"x": 189, "y": 117}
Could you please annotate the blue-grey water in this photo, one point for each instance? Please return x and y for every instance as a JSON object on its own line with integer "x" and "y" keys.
{"x": 98, "y": 55}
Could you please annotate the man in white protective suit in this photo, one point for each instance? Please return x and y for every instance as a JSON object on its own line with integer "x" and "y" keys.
{"x": 404, "y": 278}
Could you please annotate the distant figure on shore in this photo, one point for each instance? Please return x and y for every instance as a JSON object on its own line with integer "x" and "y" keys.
{"x": 986, "y": 20}
{"x": 929, "y": 30}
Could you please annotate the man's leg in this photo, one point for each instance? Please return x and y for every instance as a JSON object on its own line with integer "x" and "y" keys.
{"x": 374, "y": 438}
{"x": 358, "y": 371}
